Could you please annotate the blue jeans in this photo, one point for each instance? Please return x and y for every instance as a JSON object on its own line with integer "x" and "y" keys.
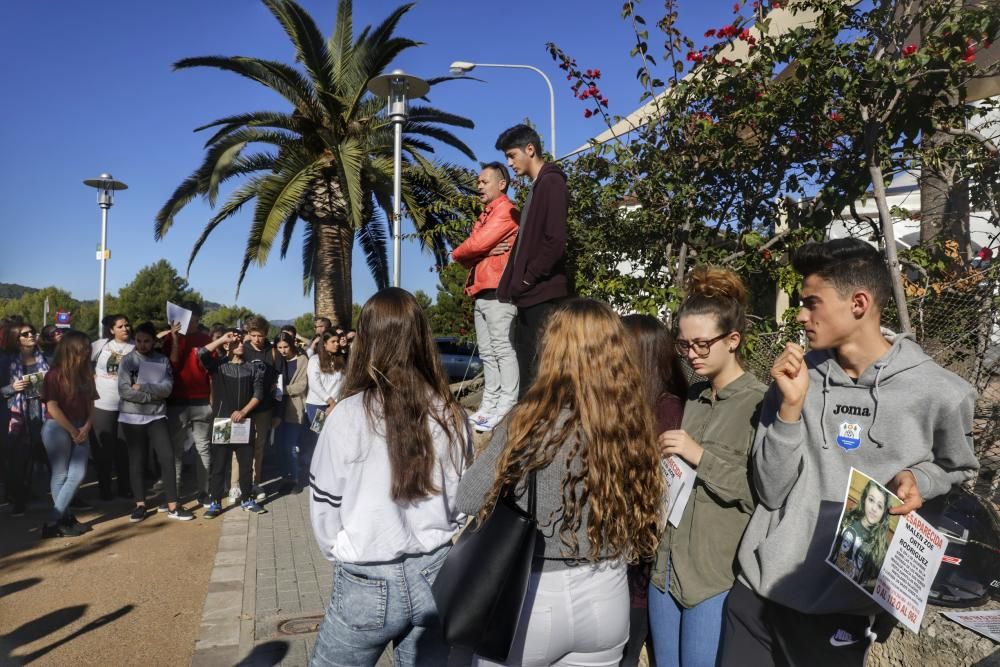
{"x": 69, "y": 465}
{"x": 377, "y": 603}
{"x": 287, "y": 437}
{"x": 688, "y": 637}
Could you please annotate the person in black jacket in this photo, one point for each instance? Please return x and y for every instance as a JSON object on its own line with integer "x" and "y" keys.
{"x": 535, "y": 277}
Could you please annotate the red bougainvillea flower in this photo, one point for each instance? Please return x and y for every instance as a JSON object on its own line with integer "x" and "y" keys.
{"x": 766, "y": 254}
{"x": 970, "y": 54}
{"x": 775, "y": 5}
{"x": 695, "y": 56}
{"x": 710, "y": 33}
{"x": 604, "y": 101}
{"x": 836, "y": 117}
{"x": 587, "y": 113}
{"x": 736, "y": 7}
{"x": 744, "y": 34}
{"x": 909, "y": 50}
{"x": 597, "y": 74}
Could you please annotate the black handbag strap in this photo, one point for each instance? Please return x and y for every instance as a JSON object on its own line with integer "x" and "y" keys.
{"x": 532, "y": 499}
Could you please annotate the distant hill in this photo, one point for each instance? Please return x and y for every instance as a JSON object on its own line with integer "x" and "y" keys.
{"x": 15, "y": 291}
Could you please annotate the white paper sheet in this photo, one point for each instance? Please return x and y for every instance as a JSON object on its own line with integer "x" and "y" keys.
{"x": 680, "y": 481}
{"x": 177, "y": 314}
{"x": 986, "y": 623}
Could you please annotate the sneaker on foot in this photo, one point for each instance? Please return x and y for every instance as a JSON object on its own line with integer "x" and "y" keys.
{"x": 162, "y": 507}
{"x": 252, "y": 506}
{"x": 204, "y": 500}
{"x": 180, "y": 514}
{"x": 56, "y": 530}
{"x": 137, "y": 515}
{"x": 487, "y": 424}
{"x": 235, "y": 493}
{"x": 259, "y": 493}
{"x": 214, "y": 510}
{"x": 70, "y": 521}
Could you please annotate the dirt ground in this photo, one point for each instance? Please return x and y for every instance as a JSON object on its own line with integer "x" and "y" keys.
{"x": 123, "y": 594}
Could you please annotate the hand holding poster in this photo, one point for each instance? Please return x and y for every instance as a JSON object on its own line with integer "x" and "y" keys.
{"x": 228, "y": 432}
{"x": 892, "y": 558}
{"x": 177, "y": 314}
{"x": 680, "y": 481}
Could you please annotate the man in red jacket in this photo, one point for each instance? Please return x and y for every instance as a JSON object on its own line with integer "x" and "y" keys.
{"x": 494, "y": 319}
{"x": 535, "y": 278}
{"x": 189, "y": 413}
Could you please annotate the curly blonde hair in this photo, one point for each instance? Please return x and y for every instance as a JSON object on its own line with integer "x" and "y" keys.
{"x": 586, "y": 365}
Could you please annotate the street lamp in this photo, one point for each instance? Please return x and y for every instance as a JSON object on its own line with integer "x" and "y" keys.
{"x": 397, "y": 86}
{"x": 106, "y": 186}
{"x": 462, "y": 67}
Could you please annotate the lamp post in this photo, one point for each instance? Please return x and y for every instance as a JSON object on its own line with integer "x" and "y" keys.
{"x": 397, "y": 86}
{"x": 462, "y": 67}
{"x": 106, "y": 186}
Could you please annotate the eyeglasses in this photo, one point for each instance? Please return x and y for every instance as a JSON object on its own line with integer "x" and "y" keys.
{"x": 702, "y": 348}
{"x": 27, "y": 334}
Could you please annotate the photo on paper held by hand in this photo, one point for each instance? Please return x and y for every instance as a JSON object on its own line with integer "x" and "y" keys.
{"x": 36, "y": 380}
{"x": 865, "y": 530}
{"x": 893, "y": 558}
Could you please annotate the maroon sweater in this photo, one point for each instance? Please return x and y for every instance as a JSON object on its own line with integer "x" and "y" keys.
{"x": 536, "y": 271}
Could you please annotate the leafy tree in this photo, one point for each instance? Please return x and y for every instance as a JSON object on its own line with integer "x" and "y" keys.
{"x": 423, "y": 300}
{"x": 327, "y": 160}
{"x": 145, "y": 297}
{"x": 771, "y": 134}
{"x": 31, "y": 306}
{"x": 228, "y": 315}
{"x": 451, "y": 314}
{"x": 305, "y": 325}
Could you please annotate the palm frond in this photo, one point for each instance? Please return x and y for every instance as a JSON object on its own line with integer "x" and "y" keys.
{"x": 309, "y": 43}
{"x": 426, "y": 114}
{"x": 350, "y": 158}
{"x": 243, "y": 194}
{"x": 373, "y": 238}
{"x": 341, "y": 41}
{"x": 442, "y": 135}
{"x": 309, "y": 247}
{"x": 278, "y": 197}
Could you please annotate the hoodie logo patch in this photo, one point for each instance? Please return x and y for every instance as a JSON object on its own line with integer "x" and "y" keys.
{"x": 849, "y": 436}
{"x": 851, "y": 410}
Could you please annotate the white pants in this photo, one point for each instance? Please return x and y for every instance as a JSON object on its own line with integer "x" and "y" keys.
{"x": 577, "y": 617}
{"x": 494, "y": 322}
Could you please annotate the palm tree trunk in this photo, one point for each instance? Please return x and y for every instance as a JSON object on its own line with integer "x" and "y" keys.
{"x": 332, "y": 288}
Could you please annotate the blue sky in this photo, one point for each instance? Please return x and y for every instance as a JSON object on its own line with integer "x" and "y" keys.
{"x": 89, "y": 88}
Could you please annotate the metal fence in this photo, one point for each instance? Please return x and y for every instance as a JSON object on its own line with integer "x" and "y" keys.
{"x": 958, "y": 325}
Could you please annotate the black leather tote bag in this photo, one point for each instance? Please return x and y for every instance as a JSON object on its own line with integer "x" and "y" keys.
{"x": 480, "y": 589}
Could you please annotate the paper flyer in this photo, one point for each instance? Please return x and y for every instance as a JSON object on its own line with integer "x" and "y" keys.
{"x": 228, "y": 432}
{"x": 317, "y": 421}
{"x": 36, "y": 380}
{"x": 279, "y": 389}
{"x": 892, "y": 558}
{"x": 986, "y": 623}
{"x": 177, "y": 314}
{"x": 680, "y": 481}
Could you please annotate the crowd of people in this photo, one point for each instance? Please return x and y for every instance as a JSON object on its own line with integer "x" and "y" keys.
{"x": 135, "y": 402}
{"x": 584, "y": 406}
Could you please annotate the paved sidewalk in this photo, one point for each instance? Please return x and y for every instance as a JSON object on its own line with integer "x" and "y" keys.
{"x": 269, "y": 588}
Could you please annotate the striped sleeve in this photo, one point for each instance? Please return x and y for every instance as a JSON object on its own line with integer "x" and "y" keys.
{"x": 326, "y": 490}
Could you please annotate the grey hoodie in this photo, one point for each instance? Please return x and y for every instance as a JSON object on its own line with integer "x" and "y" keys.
{"x": 913, "y": 415}
{"x": 148, "y": 399}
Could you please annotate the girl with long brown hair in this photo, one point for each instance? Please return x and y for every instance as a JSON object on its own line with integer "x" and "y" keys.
{"x": 69, "y": 392}
{"x": 584, "y": 428}
{"x": 695, "y": 563}
{"x": 383, "y": 483}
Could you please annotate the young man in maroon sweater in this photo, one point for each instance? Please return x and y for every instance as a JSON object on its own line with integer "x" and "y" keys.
{"x": 535, "y": 277}
{"x": 189, "y": 408}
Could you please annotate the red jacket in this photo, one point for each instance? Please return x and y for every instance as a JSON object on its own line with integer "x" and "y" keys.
{"x": 191, "y": 380}
{"x": 498, "y": 222}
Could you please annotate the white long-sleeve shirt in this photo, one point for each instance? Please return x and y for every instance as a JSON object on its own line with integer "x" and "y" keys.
{"x": 322, "y": 386}
{"x": 354, "y": 517}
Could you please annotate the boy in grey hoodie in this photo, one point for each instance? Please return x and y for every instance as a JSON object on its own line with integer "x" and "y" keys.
{"x": 861, "y": 397}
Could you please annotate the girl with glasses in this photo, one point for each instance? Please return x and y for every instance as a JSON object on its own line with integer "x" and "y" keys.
{"x": 26, "y": 365}
{"x": 694, "y": 567}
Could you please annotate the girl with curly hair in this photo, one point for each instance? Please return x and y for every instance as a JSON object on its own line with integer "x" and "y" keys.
{"x": 586, "y": 430}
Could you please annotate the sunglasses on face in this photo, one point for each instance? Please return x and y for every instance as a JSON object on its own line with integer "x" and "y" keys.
{"x": 28, "y": 334}
{"x": 702, "y": 348}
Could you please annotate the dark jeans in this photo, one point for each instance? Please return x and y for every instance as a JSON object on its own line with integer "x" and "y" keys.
{"x": 139, "y": 438}
{"x": 110, "y": 451}
{"x": 527, "y": 331}
{"x": 20, "y": 449}
{"x": 756, "y": 631}
{"x": 244, "y": 459}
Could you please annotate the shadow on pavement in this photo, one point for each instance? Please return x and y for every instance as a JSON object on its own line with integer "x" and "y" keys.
{"x": 266, "y": 654}
{"x": 41, "y": 627}
{"x": 20, "y": 585}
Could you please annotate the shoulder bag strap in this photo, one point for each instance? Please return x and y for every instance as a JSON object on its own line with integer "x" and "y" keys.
{"x": 532, "y": 492}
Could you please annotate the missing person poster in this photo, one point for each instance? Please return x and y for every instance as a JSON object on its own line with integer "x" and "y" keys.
{"x": 986, "y": 623}
{"x": 892, "y": 558}
{"x": 680, "y": 481}
{"x": 228, "y": 432}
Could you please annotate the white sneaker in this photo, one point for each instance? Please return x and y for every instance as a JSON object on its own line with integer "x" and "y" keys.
{"x": 487, "y": 424}
{"x": 235, "y": 493}
{"x": 259, "y": 493}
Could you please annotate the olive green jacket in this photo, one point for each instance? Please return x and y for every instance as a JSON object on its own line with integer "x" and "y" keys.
{"x": 701, "y": 552}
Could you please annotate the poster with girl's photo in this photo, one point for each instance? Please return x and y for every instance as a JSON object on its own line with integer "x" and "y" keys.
{"x": 891, "y": 557}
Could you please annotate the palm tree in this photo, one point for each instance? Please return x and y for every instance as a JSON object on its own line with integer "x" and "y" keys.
{"x": 327, "y": 161}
